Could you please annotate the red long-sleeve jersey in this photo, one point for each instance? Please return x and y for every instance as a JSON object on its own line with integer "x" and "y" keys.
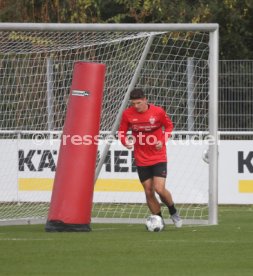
{"x": 148, "y": 127}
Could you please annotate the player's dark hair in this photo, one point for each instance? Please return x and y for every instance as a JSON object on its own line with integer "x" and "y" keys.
{"x": 137, "y": 94}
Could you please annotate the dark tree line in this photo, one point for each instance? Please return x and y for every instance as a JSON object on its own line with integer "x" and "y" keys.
{"x": 235, "y": 17}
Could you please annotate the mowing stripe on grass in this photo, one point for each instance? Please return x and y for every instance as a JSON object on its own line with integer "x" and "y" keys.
{"x": 23, "y": 239}
{"x": 187, "y": 241}
{"x": 105, "y": 229}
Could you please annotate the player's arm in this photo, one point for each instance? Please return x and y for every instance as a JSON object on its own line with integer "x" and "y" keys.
{"x": 168, "y": 127}
{"x": 122, "y": 133}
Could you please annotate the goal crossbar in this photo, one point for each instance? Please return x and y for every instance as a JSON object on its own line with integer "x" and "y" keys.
{"x": 127, "y": 27}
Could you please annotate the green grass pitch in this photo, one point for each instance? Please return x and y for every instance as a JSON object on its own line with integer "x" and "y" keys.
{"x": 117, "y": 249}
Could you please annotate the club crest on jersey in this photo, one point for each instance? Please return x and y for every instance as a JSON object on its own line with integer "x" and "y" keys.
{"x": 152, "y": 120}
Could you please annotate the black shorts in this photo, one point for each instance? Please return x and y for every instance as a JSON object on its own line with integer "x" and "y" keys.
{"x": 146, "y": 172}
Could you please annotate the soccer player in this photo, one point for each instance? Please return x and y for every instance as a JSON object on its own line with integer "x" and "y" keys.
{"x": 151, "y": 127}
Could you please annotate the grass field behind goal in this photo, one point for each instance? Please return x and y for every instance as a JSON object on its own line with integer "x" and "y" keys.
{"x": 117, "y": 249}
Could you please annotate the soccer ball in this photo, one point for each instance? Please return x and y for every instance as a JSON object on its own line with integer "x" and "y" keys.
{"x": 205, "y": 155}
{"x": 154, "y": 223}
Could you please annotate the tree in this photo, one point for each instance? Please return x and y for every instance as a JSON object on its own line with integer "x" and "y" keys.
{"x": 235, "y": 17}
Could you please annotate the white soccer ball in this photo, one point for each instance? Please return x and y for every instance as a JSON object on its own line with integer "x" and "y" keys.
{"x": 205, "y": 155}
{"x": 154, "y": 223}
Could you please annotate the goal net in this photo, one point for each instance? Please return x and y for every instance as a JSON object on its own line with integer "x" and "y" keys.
{"x": 174, "y": 68}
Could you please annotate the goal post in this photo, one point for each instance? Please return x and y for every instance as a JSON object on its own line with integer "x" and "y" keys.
{"x": 213, "y": 127}
{"x": 175, "y": 64}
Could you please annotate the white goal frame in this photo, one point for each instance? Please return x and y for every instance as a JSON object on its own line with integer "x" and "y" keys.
{"x": 213, "y": 30}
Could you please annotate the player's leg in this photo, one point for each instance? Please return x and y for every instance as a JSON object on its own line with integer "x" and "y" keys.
{"x": 153, "y": 204}
{"x": 166, "y": 198}
{"x": 146, "y": 178}
{"x": 164, "y": 194}
{"x": 159, "y": 183}
{"x": 159, "y": 172}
